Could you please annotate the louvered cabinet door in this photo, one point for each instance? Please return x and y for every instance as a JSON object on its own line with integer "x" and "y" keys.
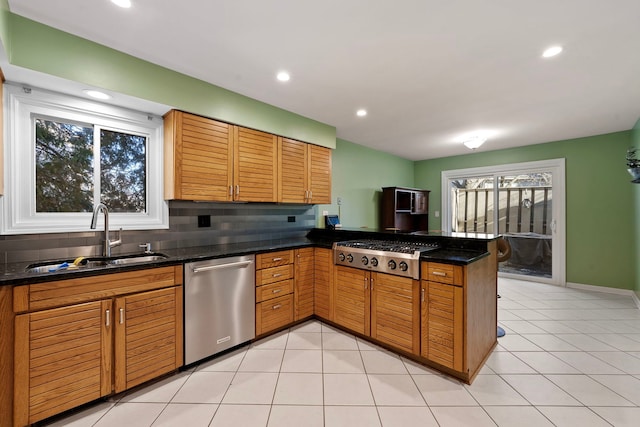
{"x": 352, "y": 299}
{"x": 395, "y": 311}
{"x": 255, "y": 166}
{"x": 319, "y": 174}
{"x": 292, "y": 185}
{"x": 62, "y": 359}
{"x": 148, "y": 327}
{"x": 323, "y": 283}
{"x": 198, "y": 158}
{"x": 442, "y": 324}
{"x": 303, "y": 283}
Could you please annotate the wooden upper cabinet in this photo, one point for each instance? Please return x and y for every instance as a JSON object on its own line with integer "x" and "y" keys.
{"x": 293, "y": 184}
{"x": 305, "y": 172}
{"x": 198, "y": 157}
{"x": 319, "y": 174}
{"x": 255, "y": 166}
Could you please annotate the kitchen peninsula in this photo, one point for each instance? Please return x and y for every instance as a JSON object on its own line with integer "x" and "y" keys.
{"x": 445, "y": 318}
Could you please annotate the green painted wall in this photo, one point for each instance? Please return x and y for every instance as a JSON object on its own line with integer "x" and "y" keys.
{"x": 635, "y": 135}
{"x": 600, "y": 206}
{"x": 41, "y": 48}
{"x": 359, "y": 173}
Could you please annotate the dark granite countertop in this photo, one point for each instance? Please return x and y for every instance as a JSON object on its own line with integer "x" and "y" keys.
{"x": 456, "y": 248}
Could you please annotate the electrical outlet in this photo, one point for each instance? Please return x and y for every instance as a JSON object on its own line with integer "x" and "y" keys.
{"x": 437, "y": 214}
{"x": 204, "y": 221}
{"x": 339, "y": 201}
{"x": 291, "y": 219}
{"x": 325, "y": 213}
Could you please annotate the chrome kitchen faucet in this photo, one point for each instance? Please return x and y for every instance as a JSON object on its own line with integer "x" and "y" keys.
{"x": 107, "y": 244}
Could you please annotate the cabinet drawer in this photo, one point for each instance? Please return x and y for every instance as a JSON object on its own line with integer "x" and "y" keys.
{"x": 274, "y": 313}
{"x": 77, "y": 290}
{"x": 443, "y": 273}
{"x": 274, "y": 274}
{"x": 273, "y": 259}
{"x": 274, "y": 290}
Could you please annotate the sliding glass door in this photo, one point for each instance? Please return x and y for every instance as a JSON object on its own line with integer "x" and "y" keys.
{"x": 523, "y": 202}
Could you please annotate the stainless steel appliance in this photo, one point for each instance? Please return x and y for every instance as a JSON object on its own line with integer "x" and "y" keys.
{"x": 219, "y": 305}
{"x": 384, "y": 256}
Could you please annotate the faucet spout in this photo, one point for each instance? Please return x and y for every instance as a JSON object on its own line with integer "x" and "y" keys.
{"x": 107, "y": 244}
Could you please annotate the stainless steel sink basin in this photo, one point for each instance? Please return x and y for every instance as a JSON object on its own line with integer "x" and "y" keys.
{"x": 94, "y": 262}
{"x": 136, "y": 259}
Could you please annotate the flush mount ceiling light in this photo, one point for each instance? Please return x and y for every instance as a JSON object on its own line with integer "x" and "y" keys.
{"x": 122, "y": 3}
{"x": 361, "y": 113}
{"x": 475, "y": 139}
{"x": 283, "y": 76}
{"x": 552, "y": 51}
{"x": 96, "y": 94}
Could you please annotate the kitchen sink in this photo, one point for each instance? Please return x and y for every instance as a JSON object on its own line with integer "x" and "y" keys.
{"x": 93, "y": 262}
{"x": 135, "y": 259}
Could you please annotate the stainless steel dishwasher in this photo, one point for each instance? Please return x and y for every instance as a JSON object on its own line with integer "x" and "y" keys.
{"x": 219, "y": 305}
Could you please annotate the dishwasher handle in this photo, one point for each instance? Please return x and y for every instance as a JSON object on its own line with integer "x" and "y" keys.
{"x": 221, "y": 266}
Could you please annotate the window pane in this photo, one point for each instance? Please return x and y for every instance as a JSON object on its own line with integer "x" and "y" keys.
{"x": 64, "y": 167}
{"x": 123, "y": 171}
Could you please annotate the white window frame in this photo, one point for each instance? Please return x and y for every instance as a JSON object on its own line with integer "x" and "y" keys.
{"x": 18, "y": 204}
{"x": 558, "y": 224}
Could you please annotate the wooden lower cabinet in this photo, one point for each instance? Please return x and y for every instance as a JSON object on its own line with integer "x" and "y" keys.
{"x": 323, "y": 283}
{"x": 442, "y": 324}
{"x": 63, "y": 358}
{"x": 147, "y": 327}
{"x": 383, "y": 306}
{"x": 124, "y": 329}
{"x": 303, "y": 283}
{"x": 274, "y": 290}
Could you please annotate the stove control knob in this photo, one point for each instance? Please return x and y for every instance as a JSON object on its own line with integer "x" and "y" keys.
{"x": 350, "y": 258}
{"x": 374, "y": 262}
{"x": 341, "y": 257}
{"x": 392, "y": 265}
{"x": 365, "y": 260}
{"x": 404, "y": 266}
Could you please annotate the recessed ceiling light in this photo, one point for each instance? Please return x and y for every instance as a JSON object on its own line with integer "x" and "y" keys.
{"x": 361, "y": 113}
{"x": 96, "y": 94}
{"x": 552, "y": 51}
{"x": 122, "y": 3}
{"x": 283, "y": 76}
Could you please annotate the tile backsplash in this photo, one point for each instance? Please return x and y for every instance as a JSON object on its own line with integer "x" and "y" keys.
{"x": 230, "y": 223}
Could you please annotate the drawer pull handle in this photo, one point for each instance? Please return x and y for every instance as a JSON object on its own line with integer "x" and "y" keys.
{"x": 121, "y": 316}
{"x": 107, "y": 316}
{"x": 422, "y": 295}
{"x": 275, "y": 291}
{"x": 277, "y": 306}
{"x": 277, "y": 259}
{"x": 439, "y": 273}
{"x": 277, "y": 274}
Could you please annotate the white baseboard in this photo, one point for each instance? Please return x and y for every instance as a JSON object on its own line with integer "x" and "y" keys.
{"x": 606, "y": 290}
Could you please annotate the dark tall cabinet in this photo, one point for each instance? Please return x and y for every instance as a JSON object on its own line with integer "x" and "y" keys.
{"x": 404, "y": 209}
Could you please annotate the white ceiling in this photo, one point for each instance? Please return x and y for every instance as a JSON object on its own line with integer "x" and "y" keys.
{"x": 427, "y": 71}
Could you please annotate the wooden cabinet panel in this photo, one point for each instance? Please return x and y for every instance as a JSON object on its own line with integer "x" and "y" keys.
{"x": 63, "y": 359}
{"x": 198, "y": 157}
{"x": 352, "y": 299}
{"x": 274, "y": 313}
{"x": 443, "y": 273}
{"x": 70, "y": 291}
{"x": 147, "y": 330}
{"x": 274, "y": 274}
{"x": 274, "y": 290}
{"x": 273, "y": 259}
{"x": 319, "y": 174}
{"x": 293, "y": 179}
{"x": 255, "y": 166}
{"x": 303, "y": 284}
{"x": 443, "y": 324}
{"x": 323, "y": 283}
{"x": 395, "y": 311}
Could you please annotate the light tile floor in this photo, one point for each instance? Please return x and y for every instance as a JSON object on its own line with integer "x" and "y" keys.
{"x": 569, "y": 358}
